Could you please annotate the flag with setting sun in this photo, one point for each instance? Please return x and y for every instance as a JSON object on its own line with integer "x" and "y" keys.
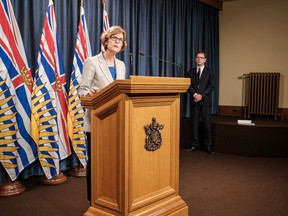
{"x": 17, "y": 149}
{"x": 76, "y": 112}
{"x": 49, "y": 100}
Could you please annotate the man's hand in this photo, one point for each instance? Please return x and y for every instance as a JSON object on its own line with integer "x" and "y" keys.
{"x": 197, "y": 97}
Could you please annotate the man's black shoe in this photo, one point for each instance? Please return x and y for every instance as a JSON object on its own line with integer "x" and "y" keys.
{"x": 193, "y": 148}
{"x": 209, "y": 151}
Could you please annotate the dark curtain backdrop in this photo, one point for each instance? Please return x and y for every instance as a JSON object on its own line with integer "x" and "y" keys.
{"x": 172, "y": 30}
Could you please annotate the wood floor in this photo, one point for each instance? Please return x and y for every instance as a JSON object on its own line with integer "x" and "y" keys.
{"x": 212, "y": 185}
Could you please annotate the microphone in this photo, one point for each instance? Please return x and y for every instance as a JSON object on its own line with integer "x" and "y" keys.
{"x": 159, "y": 59}
{"x": 131, "y": 63}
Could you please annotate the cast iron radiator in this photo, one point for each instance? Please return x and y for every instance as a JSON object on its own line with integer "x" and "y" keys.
{"x": 262, "y": 93}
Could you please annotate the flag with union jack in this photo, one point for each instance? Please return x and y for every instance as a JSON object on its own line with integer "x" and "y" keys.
{"x": 61, "y": 98}
{"x": 76, "y": 111}
{"x": 106, "y": 25}
{"x": 17, "y": 149}
{"x": 49, "y": 100}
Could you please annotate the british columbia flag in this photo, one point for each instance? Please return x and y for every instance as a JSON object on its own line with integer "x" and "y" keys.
{"x": 106, "y": 25}
{"x": 17, "y": 148}
{"x": 76, "y": 110}
{"x": 49, "y": 100}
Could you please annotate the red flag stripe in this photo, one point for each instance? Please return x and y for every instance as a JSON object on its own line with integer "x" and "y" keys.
{"x": 16, "y": 56}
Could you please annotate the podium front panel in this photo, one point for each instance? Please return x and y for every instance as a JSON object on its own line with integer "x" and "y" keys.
{"x": 153, "y": 175}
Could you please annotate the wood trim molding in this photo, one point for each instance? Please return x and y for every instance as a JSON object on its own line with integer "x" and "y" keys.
{"x": 231, "y": 110}
{"x": 214, "y": 3}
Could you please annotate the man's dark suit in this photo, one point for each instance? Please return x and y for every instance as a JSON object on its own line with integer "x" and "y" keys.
{"x": 203, "y": 86}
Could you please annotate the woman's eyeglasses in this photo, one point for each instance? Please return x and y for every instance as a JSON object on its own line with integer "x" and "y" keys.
{"x": 114, "y": 38}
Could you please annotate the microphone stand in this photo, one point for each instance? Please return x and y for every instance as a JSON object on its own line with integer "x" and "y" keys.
{"x": 131, "y": 64}
{"x": 158, "y": 59}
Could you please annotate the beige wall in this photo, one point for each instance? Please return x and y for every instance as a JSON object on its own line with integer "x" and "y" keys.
{"x": 253, "y": 38}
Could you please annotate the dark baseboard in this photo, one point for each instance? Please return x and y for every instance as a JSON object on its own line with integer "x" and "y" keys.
{"x": 240, "y": 111}
{"x": 231, "y": 110}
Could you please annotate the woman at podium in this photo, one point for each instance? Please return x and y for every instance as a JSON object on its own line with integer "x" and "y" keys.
{"x": 98, "y": 72}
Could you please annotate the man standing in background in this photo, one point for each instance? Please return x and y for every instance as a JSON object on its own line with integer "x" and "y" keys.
{"x": 201, "y": 87}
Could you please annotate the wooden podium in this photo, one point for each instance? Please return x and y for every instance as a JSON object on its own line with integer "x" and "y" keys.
{"x": 135, "y": 147}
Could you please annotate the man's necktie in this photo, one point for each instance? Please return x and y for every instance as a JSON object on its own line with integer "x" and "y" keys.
{"x": 198, "y": 73}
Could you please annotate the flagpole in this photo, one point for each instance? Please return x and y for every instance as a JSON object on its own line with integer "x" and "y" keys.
{"x": 105, "y": 22}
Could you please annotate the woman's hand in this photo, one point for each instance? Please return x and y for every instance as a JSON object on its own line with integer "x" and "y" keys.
{"x": 93, "y": 90}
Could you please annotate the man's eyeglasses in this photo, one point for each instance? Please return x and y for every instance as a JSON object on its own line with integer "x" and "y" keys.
{"x": 114, "y": 38}
{"x": 200, "y": 57}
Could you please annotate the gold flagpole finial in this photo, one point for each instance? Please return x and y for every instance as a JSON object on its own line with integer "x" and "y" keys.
{"x": 104, "y": 3}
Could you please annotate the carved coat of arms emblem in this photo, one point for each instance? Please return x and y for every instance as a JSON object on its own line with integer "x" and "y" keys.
{"x": 153, "y": 135}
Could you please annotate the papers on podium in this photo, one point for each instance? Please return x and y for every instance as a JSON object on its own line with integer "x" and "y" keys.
{"x": 245, "y": 122}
